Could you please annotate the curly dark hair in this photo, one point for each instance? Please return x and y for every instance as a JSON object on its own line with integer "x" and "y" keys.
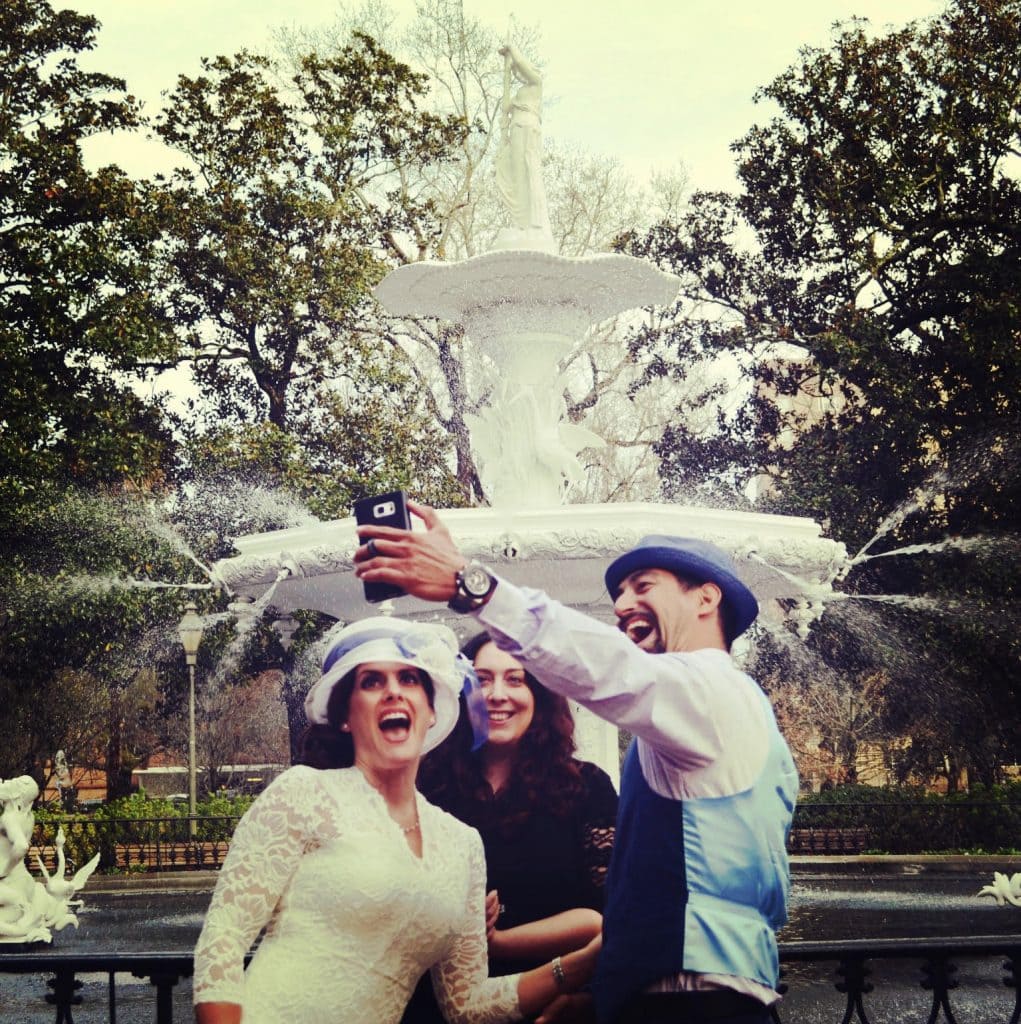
{"x": 326, "y": 746}
{"x": 545, "y": 774}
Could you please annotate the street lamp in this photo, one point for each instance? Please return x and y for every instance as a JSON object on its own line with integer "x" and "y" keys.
{"x": 286, "y": 626}
{"x": 190, "y": 631}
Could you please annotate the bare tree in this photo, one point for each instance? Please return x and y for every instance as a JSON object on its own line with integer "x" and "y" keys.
{"x": 592, "y": 201}
{"x": 242, "y": 725}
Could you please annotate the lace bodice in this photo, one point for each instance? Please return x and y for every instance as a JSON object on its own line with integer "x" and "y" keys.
{"x": 352, "y": 917}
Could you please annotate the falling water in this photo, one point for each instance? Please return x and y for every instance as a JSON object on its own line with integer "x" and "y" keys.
{"x": 248, "y": 614}
{"x": 927, "y": 604}
{"x": 162, "y": 530}
{"x": 104, "y": 584}
{"x": 937, "y": 484}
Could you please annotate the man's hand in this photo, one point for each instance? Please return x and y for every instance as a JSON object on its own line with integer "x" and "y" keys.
{"x": 576, "y": 1008}
{"x": 423, "y": 563}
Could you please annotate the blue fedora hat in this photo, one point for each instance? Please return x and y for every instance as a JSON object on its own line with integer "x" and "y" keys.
{"x": 694, "y": 560}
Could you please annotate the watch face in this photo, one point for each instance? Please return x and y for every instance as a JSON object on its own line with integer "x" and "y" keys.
{"x": 476, "y": 580}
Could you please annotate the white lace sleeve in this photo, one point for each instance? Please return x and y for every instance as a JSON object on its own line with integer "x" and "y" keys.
{"x": 465, "y": 992}
{"x": 264, "y": 852}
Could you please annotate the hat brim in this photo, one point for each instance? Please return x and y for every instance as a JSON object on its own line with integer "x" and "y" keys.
{"x": 739, "y": 599}
{"x": 446, "y": 689}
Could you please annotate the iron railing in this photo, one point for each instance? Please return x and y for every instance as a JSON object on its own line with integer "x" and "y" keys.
{"x": 137, "y": 844}
{"x": 906, "y": 827}
{"x": 165, "y": 844}
{"x": 931, "y": 968}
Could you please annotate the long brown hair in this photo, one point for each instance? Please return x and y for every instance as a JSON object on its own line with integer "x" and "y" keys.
{"x": 545, "y": 772}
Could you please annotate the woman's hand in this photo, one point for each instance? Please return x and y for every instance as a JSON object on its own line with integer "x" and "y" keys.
{"x": 540, "y": 990}
{"x": 492, "y": 915}
{"x": 576, "y": 1008}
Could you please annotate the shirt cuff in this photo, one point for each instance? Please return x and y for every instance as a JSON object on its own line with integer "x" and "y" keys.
{"x": 506, "y": 615}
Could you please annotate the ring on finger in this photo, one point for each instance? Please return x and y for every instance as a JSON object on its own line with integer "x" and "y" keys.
{"x": 370, "y": 547}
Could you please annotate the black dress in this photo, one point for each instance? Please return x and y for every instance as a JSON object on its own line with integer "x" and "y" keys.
{"x": 540, "y": 866}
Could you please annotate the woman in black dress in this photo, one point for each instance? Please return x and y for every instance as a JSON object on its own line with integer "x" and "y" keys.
{"x": 546, "y": 819}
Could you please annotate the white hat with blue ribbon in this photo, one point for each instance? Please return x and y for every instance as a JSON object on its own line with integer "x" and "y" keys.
{"x": 428, "y": 646}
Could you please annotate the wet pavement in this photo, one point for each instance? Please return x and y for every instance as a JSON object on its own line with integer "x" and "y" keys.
{"x": 914, "y": 902}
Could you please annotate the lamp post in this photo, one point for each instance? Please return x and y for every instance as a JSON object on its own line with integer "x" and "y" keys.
{"x": 286, "y": 626}
{"x": 190, "y": 631}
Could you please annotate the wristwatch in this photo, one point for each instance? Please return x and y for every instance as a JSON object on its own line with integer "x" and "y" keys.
{"x": 474, "y": 584}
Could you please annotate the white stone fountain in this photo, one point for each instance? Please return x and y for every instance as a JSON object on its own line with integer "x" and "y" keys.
{"x": 523, "y": 308}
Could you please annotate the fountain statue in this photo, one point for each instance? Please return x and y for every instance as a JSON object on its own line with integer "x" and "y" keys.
{"x": 519, "y": 158}
{"x": 1004, "y": 889}
{"x": 31, "y": 910}
{"x": 523, "y": 308}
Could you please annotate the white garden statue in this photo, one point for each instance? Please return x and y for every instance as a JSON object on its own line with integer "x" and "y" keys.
{"x": 31, "y": 910}
{"x": 1004, "y": 890}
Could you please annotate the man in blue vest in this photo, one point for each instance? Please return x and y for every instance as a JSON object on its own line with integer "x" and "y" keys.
{"x": 699, "y": 878}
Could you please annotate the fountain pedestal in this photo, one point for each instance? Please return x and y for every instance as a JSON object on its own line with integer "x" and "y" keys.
{"x": 522, "y": 313}
{"x": 563, "y": 550}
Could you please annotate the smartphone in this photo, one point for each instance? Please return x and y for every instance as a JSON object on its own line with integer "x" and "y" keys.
{"x": 383, "y": 510}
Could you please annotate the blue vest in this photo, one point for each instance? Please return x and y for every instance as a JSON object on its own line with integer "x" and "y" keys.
{"x": 696, "y": 885}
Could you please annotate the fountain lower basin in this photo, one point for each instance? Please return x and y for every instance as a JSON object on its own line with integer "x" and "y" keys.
{"x": 563, "y": 550}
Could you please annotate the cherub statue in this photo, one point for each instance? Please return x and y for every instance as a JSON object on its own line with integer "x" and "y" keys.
{"x": 31, "y": 910}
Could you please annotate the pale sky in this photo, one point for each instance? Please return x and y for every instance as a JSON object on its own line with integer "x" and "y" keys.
{"x": 652, "y": 82}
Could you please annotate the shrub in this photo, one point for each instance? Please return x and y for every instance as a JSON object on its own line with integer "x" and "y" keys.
{"x": 908, "y": 819}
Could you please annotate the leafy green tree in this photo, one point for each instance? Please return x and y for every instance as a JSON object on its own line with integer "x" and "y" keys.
{"x": 885, "y": 188}
{"x": 76, "y": 309}
{"x": 276, "y": 225}
{"x": 79, "y": 643}
{"x": 886, "y": 229}
{"x": 866, "y": 278}
{"x": 78, "y": 323}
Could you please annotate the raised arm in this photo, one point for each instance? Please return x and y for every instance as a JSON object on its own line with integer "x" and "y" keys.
{"x": 674, "y": 702}
{"x": 505, "y": 103}
{"x": 520, "y": 63}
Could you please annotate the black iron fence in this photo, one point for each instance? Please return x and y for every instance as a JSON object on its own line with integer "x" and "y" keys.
{"x": 926, "y": 989}
{"x": 168, "y": 844}
{"x": 925, "y": 985}
{"x": 907, "y": 827}
{"x": 137, "y": 844}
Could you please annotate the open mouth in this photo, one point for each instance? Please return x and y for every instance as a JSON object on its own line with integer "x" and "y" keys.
{"x": 638, "y": 628}
{"x": 395, "y": 722}
{"x": 499, "y": 717}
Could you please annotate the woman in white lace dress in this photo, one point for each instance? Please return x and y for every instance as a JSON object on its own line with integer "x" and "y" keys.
{"x": 359, "y": 882}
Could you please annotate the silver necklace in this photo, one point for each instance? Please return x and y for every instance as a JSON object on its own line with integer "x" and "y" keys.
{"x": 411, "y": 828}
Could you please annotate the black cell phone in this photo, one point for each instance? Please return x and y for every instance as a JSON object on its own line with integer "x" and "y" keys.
{"x": 383, "y": 510}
